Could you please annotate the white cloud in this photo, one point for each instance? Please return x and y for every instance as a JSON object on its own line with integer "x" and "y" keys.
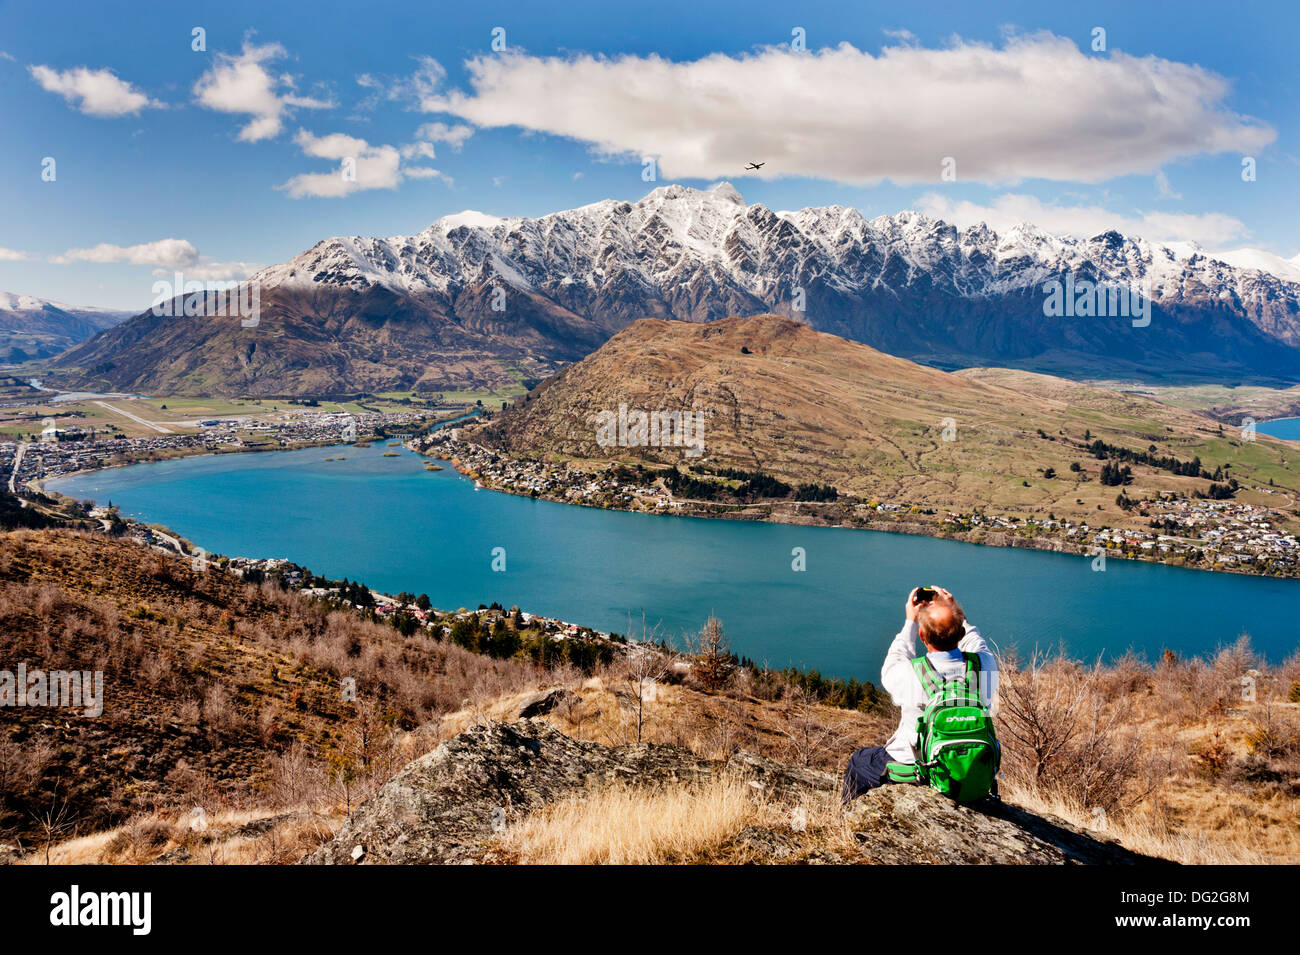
{"x": 13, "y": 255}
{"x": 367, "y": 166}
{"x": 903, "y": 36}
{"x": 245, "y": 85}
{"x": 215, "y": 271}
{"x": 453, "y": 136}
{"x": 167, "y": 253}
{"x": 422, "y": 82}
{"x": 1035, "y": 107}
{"x": 419, "y": 150}
{"x": 1010, "y": 209}
{"x": 1163, "y": 188}
{"x": 93, "y": 92}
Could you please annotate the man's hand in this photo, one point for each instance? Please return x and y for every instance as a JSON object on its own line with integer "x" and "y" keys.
{"x": 911, "y": 607}
{"x": 946, "y": 597}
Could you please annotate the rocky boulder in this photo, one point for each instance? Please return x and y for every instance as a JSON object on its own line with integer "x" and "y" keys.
{"x": 446, "y": 806}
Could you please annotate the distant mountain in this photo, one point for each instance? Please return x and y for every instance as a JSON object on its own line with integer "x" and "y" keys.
{"x": 37, "y": 328}
{"x": 475, "y": 298}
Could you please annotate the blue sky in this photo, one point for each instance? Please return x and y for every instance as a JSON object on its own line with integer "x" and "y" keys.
{"x": 219, "y": 160}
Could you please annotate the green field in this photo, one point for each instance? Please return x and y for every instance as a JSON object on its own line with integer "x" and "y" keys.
{"x": 1226, "y": 402}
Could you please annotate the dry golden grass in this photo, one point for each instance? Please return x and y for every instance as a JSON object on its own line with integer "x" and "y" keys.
{"x": 1184, "y": 767}
{"x": 688, "y": 823}
{"x": 1146, "y": 833}
{"x": 623, "y": 826}
{"x": 249, "y": 837}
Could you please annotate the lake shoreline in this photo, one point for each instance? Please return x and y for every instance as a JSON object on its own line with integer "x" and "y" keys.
{"x": 790, "y": 514}
{"x": 807, "y": 514}
{"x": 39, "y": 484}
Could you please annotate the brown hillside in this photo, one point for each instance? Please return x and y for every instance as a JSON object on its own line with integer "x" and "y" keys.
{"x": 808, "y": 407}
{"x": 210, "y": 685}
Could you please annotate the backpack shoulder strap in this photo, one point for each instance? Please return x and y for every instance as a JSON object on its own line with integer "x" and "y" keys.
{"x": 931, "y": 682}
{"x": 973, "y": 675}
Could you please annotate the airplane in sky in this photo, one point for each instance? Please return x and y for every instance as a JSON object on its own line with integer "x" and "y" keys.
{"x": 756, "y": 165}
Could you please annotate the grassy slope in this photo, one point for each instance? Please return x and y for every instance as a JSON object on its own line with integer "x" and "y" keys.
{"x": 807, "y": 406}
{"x": 1228, "y": 403}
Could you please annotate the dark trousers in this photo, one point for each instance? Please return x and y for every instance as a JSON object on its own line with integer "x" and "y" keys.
{"x": 866, "y": 771}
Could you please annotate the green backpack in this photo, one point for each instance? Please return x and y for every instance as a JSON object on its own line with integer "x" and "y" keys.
{"x": 957, "y": 751}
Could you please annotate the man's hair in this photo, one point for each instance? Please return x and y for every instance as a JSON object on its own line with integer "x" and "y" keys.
{"x": 942, "y": 625}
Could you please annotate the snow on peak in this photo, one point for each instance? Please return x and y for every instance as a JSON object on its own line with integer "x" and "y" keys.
{"x": 16, "y": 303}
{"x": 676, "y": 234}
{"x": 1262, "y": 261}
{"x": 676, "y": 192}
{"x": 469, "y": 218}
{"x": 725, "y": 190}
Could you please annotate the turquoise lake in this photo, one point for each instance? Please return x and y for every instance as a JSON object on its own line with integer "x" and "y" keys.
{"x": 391, "y": 524}
{"x": 1288, "y": 429}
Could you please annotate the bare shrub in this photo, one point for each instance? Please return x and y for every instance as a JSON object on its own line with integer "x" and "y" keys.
{"x": 808, "y": 735}
{"x": 645, "y": 666}
{"x": 141, "y": 840}
{"x": 1062, "y": 738}
{"x": 219, "y": 709}
{"x": 1214, "y": 757}
{"x": 1235, "y": 670}
{"x": 22, "y": 765}
{"x": 1273, "y": 734}
{"x": 296, "y": 778}
{"x": 725, "y": 731}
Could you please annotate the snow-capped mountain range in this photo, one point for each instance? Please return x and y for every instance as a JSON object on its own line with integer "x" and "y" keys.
{"x": 32, "y": 327}
{"x": 675, "y": 233}
{"x": 556, "y": 287}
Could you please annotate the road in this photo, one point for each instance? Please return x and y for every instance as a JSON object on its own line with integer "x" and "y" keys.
{"x": 18, "y": 462}
{"x": 171, "y": 540}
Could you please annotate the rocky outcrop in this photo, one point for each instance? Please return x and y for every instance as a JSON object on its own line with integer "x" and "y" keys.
{"x": 541, "y": 702}
{"x": 914, "y": 824}
{"x": 446, "y": 806}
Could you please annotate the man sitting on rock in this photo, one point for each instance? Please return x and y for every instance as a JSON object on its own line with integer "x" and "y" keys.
{"x": 934, "y": 615}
